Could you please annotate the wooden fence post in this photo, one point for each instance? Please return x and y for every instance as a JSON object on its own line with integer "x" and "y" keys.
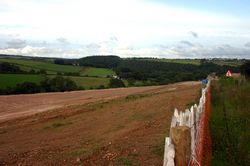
{"x": 181, "y": 139}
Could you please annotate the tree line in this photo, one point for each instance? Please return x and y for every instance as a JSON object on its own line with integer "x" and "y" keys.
{"x": 152, "y": 72}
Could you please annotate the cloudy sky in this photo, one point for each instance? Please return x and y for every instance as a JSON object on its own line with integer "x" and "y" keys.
{"x": 128, "y": 28}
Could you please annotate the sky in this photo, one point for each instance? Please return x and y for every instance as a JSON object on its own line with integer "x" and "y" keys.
{"x": 127, "y": 28}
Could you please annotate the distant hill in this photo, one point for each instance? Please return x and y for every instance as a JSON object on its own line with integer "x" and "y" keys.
{"x": 96, "y": 71}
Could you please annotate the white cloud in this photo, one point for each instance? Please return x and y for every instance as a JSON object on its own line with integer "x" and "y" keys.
{"x": 126, "y": 28}
{"x": 174, "y": 51}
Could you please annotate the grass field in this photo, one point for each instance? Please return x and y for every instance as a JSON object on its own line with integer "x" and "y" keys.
{"x": 35, "y": 64}
{"x": 221, "y": 62}
{"x": 182, "y": 61}
{"x": 52, "y": 68}
{"x": 228, "y": 62}
{"x": 10, "y": 80}
{"x": 88, "y": 82}
{"x": 230, "y": 122}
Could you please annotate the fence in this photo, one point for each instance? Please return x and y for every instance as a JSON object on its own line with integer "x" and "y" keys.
{"x": 189, "y": 142}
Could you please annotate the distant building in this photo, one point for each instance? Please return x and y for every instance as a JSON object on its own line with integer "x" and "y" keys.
{"x": 115, "y": 77}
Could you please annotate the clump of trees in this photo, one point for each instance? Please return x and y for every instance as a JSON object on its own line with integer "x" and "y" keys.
{"x": 9, "y": 68}
{"x": 64, "y": 61}
{"x": 116, "y": 83}
{"x": 100, "y": 61}
{"x": 58, "y": 84}
{"x": 245, "y": 69}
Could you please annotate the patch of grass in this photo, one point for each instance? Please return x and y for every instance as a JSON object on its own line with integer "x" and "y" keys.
{"x": 133, "y": 154}
{"x": 97, "y": 106}
{"x": 84, "y": 151}
{"x": 137, "y": 96}
{"x": 119, "y": 127}
{"x": 158, "y": 149}
{"x": 88, "y": 82}
{"x": 10, "y": 80}
{"x": 78, "y": 152}
{"x": 125, "y": 161}
{"x": 57, "y": 124}
{"x": 142, "y": 116}
{"x": 229, "y": 122}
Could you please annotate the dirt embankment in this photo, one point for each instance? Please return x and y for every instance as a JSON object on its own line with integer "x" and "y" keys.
{"x": 105, "y": 127}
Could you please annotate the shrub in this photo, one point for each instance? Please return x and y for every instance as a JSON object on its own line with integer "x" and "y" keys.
{"x": 116, "y": 83}
{"x": 9, "y": 68}
{"x": 245, "y": 69}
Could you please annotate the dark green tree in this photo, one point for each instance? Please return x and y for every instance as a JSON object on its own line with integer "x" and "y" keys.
{"x": 245, "y": 69}
{"x": 116, "y": 83}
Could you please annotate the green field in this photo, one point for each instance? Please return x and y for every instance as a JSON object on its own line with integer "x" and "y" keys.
{"x": 228, "y": 62}
{"x": 10, "y": 80}
{"x": 35, "y": 64}
{"x": 221, "y": 62}
{"x": 52, "y": 68}
{"x": 88, "y": 82}
{"x": 230, "y": 122}
{"x": 182, "y": 61}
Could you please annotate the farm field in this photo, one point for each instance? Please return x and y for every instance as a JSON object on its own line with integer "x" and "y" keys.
{"x": 35, "y": 64}
{"x": 52, "y": 68}
{"x": 198, "y": 61}
{"x": 125, "y": 126}
{"x": 90, "y": 82}
{"x": 10, "y": 80}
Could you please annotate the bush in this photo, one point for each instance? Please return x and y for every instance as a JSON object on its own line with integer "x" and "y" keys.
{"x": 245, "y": 69}
{"x": 9, "y": 68}
{"x": 58, "y": 84}
{"x": 27, "y": 87}
{"x": 116, "y": 83}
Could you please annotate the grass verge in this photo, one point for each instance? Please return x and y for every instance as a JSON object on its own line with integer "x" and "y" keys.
{"x": 230, "y": 122}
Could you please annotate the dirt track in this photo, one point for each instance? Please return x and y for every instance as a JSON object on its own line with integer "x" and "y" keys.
{"x": 15, "y": 106}
{"x": 106, "y": 127}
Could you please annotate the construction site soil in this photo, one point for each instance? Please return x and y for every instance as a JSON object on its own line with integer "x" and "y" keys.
{"x": 124, "y": 126}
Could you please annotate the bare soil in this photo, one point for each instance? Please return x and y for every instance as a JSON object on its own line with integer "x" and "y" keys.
{"x": 124, "y": 126}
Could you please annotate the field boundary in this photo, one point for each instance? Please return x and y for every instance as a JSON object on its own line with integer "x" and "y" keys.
{"x": 189, "y": 142}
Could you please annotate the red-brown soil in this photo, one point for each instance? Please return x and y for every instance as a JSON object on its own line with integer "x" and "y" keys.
{"x": 102, "y": 127}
